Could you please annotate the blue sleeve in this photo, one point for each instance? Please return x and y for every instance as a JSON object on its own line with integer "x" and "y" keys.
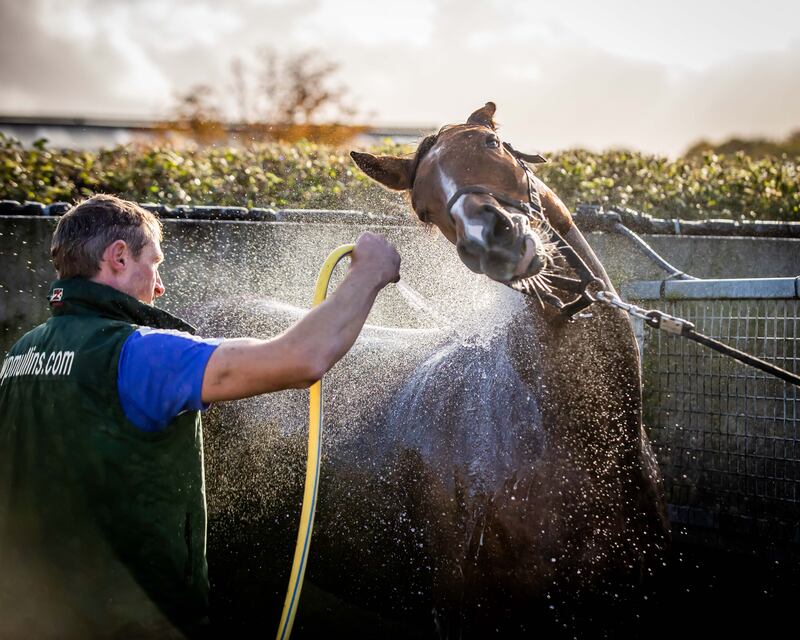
{"x": 160, "y": 375}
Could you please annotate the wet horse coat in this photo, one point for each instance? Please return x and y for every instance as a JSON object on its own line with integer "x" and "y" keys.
{"x": 478, "y": 479}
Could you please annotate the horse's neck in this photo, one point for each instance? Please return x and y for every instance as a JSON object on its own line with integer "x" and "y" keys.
{"x": 586, "y": 372}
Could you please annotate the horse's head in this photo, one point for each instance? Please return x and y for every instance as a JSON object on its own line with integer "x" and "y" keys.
{"x": 475, "y": 190}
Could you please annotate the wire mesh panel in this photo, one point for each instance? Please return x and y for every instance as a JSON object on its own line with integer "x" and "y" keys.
{"x": 727, "y": 435}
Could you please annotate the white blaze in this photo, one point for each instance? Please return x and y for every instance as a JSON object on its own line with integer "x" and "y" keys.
{"x": 473, "y": 231}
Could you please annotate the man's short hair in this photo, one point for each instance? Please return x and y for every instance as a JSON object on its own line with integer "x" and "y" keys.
{"x": 84, "y": 232}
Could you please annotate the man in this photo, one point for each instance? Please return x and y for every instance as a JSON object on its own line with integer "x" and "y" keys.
{"x": 102, "y": 499}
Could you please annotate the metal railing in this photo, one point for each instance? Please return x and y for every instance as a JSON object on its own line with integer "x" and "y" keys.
{"x": 727, "y": 436}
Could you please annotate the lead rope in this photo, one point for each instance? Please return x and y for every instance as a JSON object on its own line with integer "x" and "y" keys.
{"x": 656, "y": 319}
{"x": 653, "y": 318}
{"x": 587, "y": 281}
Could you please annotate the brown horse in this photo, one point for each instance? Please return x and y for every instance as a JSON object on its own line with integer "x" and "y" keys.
{"x": 500, "y": 485}
{"x": 591, "y": 502}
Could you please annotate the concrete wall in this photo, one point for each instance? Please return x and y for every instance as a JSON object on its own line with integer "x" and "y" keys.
{"x": 211, "y": 260}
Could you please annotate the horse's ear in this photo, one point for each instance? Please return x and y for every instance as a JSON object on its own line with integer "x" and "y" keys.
{"x": 484, "y": 116}
{"x": 390, "y": 171}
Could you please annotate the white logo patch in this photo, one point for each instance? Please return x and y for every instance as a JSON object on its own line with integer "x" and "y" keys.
{"x": 34, "y": 363}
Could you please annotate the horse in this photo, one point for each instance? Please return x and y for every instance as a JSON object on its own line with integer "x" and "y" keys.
{"x": 502, "y": 484}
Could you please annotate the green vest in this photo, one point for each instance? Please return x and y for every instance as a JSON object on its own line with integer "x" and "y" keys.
{"x": 102, "y": 525}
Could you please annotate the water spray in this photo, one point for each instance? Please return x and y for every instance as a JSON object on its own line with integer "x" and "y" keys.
{"x": 416, "y": 301}
{"x": 312, "y": 466}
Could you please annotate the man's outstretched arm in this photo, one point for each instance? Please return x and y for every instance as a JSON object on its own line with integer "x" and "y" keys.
{"x": 244, "y": 367}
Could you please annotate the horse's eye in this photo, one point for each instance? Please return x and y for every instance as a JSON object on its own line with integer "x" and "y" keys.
{"x": 492, "y": 142}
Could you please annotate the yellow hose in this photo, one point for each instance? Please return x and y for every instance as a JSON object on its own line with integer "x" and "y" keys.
{"x": 312, "y": 466}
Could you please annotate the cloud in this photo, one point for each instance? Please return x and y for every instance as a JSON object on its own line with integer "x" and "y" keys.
{"x": 421, "y": 62}
{"x": 106, "y": 57}
{"x": 61, "y": 62}
{"x": 750, "y": 95}
{"x": 366, "y": 22}
{"x": 557, "y": 90}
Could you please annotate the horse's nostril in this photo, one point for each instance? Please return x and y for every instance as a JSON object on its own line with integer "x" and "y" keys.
{"x": 501, "y": 227}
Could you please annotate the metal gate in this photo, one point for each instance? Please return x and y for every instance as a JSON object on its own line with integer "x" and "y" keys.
{"x": 727, "y": 436}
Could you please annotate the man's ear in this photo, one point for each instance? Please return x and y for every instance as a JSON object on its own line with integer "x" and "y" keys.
{"x": 116, "y": 254}
{"x": 390, "y": 171}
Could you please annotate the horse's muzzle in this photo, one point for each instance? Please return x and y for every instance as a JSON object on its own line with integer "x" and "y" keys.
{"x": 504, "y": 250}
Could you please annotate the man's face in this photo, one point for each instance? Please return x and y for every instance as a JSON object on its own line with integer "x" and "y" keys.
{"x": 142, "y": 280}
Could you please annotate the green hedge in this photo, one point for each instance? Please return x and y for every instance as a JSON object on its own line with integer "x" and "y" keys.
{"x": 307, "y": 175}
{"x": 710, "y": 186}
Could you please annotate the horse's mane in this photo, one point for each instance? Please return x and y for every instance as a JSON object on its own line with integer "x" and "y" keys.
{"x": 419, "y": 154}
{"x": 426, "y": 145}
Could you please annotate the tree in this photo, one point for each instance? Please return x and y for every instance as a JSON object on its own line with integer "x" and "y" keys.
{"x": 298, "y": 89}
{"x": 753, "y": 147}
{"x": 196, "y": 111}
{"x": 294, "y": 96}
{"x": 287, "y": 97}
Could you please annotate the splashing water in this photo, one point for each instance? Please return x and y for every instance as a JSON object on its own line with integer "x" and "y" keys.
{"x": 416, "y": 301}
{"x": 495, "y": 438}
{"x": 429, "y": 390}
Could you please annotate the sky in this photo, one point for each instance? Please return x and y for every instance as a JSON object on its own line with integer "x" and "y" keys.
{"x": 646, "y": 75}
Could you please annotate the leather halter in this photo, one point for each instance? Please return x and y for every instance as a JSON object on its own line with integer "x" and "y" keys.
{"x": 534, "y": 212}
{"x": 532, "y": 209}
